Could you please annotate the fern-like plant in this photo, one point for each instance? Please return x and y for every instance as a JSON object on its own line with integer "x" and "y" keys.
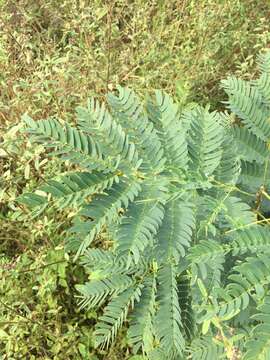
{"x": 249, "y": 103}
{"x": 186, "y": 258}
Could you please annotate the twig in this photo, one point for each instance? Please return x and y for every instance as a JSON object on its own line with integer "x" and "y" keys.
{"x": 247, "y": 225}
{"x": 109, "y": 34}
{"x": 41, "y": 267}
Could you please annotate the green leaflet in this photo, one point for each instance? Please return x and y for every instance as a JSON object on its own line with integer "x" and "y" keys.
{"x": 141, "y": 332}
{"x": 137, "y": 229}
{"x": 228, "y": 170}
{"x": 249, "y": 101}
{"x": 206, "y": 137}
{"x": 115, "y": 313}
{"x": 104, "y": 262}
{"x": 185, "y": 301}
{"x": 168, "y": 322}
{"x": 207, "y": 253}
{"x": 249, "y": 145}
{"x": 252, "y": 239}
{"x": 70, "y": 190}
{"x": 112, "y": 138}
{"x": 165, "y": 114}
{"x": 205, "y": 348}
{"x": 95, "y": 292}
{"x": 103, "y": 210}
{"x": 68, "y": 142}
{"x": 249, "y": 280}
{"x": 258, "y": 344}
{"x": 175, "y": 233}
{"x": 246, "y": 102}
{"x": 237, "y": 212}
{"x": 142, "y": 132}
{"x": 254, "y": 175}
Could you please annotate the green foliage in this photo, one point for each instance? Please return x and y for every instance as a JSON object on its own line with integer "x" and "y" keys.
{"x": 52, "y": 56}
{"x": 42, "y": 319}
{"x": 258, "y": 346}
{"x": 205, "y": 348}
{"x": 187, "y": 255}
{"x": 35, "y": 314}
{"x": 249, "y": 103}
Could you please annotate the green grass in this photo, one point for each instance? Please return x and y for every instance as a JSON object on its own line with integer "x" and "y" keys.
{"x": 53, "y": 55}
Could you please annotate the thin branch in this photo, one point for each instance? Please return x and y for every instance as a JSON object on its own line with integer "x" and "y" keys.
{"x": 109, "y": 34}
{"x": 247, "y": 225}
{"x": 41, "y": 267}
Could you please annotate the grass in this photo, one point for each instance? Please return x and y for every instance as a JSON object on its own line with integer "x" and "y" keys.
{"x": 53, "y": 55}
